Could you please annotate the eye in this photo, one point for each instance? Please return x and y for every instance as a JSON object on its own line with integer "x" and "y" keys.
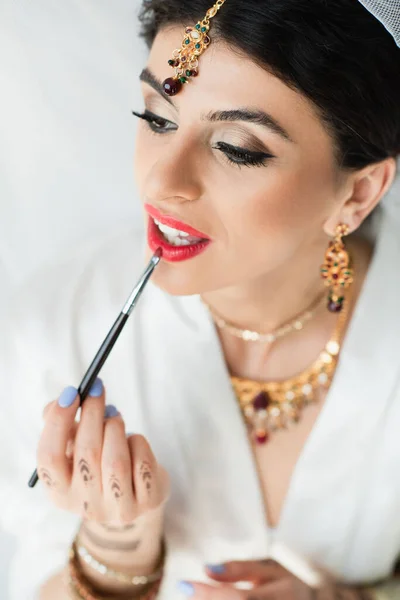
{"x": 243, "y": 157}
{"x": 156, "y": 123}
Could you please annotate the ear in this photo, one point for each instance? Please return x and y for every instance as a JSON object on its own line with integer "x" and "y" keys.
{"x": 364, "y": 191}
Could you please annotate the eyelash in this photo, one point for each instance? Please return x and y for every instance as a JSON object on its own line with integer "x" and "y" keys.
{"x": 236, "y": 156}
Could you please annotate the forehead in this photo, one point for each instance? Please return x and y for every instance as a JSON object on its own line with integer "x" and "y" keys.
{"x": 228, "y": 80}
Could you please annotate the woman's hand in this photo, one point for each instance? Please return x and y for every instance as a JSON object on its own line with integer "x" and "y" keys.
{"x": 92, "y": 468}
{"x": 271, "y": 582}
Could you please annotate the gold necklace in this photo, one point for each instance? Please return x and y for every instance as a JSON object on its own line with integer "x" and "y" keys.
{"x": 296, "y": 324}
{"x": 271, "y": 406}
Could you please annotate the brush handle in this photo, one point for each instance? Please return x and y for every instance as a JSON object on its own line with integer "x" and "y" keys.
{"x": 109, "y": 342}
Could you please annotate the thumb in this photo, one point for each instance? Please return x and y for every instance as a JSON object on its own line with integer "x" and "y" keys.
{"x": 254, "y": 571}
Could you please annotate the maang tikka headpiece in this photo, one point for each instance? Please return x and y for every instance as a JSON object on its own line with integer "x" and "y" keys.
{"x": 185, "y": 60}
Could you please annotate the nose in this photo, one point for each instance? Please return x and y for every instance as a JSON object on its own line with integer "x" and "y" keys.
{"x": 175, "y": 175}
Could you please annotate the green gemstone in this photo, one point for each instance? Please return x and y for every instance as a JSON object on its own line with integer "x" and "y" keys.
{"x": 197, "y": 26}
{"x": 336, "y": 265}
{"x": 204, "y": 29}
{"x": 188, "y": 73}
{"x": 187, "y": 41}
{"x": 198, "y": 46}
{"x": 182, "y": 79}
{"x": 171, "y": 62}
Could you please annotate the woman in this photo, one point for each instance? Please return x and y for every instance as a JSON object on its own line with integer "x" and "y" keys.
{"x": 266, "y": 387}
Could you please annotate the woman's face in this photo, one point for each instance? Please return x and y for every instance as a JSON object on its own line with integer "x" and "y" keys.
{"x": 262, "y": 194}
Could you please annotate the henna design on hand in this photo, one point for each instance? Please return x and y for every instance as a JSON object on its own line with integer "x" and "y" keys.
{"x": 145, "y": 472}
{"x": 45, "y": 476}
{"x": 85, "y": 471}
{"x": 118, "y": 529}
{"x": 118, "y": 545}
{"x": 115, "y": 487}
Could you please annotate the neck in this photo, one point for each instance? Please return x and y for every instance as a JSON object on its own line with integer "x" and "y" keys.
{"x": 266, "y": 303}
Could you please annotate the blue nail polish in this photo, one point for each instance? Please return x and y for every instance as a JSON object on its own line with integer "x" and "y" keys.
{"x": 97, "y": 388}
{"x": 110, "y": 411}
{"x": 186, "y": 588}
{"x": 217, "y": 569}
{"x": 68, "y": 396}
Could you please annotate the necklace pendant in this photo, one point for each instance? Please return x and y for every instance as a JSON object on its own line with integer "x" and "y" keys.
{"x": 261, "y": 402}
{"x": 261, "y": 437}
{"x": 260, "y": 405}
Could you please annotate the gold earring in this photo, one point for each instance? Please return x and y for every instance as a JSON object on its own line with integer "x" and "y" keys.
{"x": 336, "y": 270}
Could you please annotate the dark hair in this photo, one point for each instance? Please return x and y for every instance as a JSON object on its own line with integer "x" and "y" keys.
{"x": 333, "y": 51}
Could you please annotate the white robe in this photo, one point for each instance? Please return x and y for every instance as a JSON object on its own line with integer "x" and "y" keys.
{"x": 168, "y": 378}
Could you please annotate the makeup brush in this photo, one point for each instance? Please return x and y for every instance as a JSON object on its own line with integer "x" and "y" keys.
{"x": 108, "y": 344}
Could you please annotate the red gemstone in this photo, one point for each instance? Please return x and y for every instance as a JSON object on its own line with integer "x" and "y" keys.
{"x": 172, "y": 86}
{"x": 262, "y": 438}
{"x": 335, "y": 307}
{"x": 335, "y": 276}
{"x": 262, "y": 401}
{"x": 194, "y": 73}
{"x": 207, "y": 39}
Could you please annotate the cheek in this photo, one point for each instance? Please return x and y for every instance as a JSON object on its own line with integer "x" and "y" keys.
{"x": 277, "y": 213}
{"x": 284, "y": 201}
{"x": 142, "y": 163}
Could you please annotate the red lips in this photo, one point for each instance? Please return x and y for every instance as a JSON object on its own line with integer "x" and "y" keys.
{"x": 171, "y": 222}
{"x": 171, "y": 253}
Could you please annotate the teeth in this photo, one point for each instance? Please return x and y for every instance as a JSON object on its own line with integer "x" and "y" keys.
{"x": 170, "y": 230}
{"x": 175, "y": 236}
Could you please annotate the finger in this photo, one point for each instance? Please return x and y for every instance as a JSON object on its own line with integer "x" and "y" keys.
{"x": 47, "y": 409}
{"x": 54, "y": 469}
{"x": 86, "y": 481}
{"x": 203, "y": 591}
{"x": 280, "y": 590}
{"x": 71, "y": 442}
{"x": 254, "y": 571}
{"x": 147, "y": 476}
{"x": 116, "y": 466}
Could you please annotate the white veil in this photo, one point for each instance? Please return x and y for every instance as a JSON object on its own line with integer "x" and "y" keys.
{"x": 388, "y": 13}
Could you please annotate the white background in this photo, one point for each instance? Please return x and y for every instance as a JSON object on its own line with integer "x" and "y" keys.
{"x": 68, "y": 81}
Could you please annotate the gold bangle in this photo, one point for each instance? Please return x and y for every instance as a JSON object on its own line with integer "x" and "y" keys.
{"x": 83, "y": 590}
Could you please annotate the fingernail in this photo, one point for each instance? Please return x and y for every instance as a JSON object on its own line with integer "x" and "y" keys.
{"x": 217, "y": 569}
{"x": 110, "y": 411}
{"x": 68, "y": 396}
{"x": 186, "y": 588}
{"x": 97, "y": 388}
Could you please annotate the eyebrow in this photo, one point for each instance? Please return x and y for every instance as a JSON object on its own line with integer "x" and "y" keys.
{"x": 148, "y": 77}
{"x": 251, "y": 116}
{"x": 258, "y": 117}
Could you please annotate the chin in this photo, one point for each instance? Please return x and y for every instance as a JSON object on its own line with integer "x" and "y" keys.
{"x": 177, "y": 280}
